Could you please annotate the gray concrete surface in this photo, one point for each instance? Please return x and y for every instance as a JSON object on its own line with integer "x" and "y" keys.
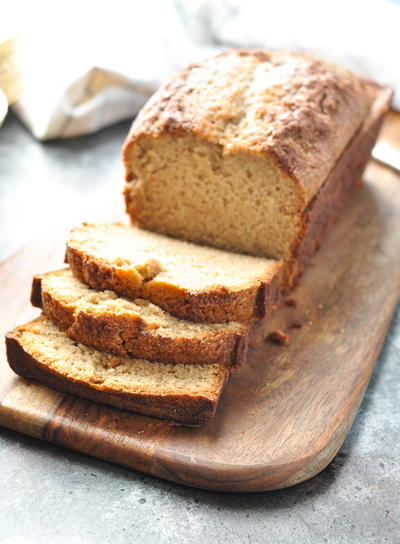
{"x": 48, "y": 494}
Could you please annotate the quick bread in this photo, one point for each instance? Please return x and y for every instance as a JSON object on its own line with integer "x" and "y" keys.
{"x": 233, "y": 150}
{"x": 186, "y": 394}
{"x": 235, "y": 169}
{"x": 134, "y": 328}
{"x": 187, "y": 280}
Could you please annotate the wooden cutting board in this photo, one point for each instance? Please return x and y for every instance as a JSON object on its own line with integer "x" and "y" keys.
{"x": 282, "y": 417}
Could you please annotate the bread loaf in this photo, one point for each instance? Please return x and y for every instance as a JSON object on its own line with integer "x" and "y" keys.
{"x": 232, "y": 150}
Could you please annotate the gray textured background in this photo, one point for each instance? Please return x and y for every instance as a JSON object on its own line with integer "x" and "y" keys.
{"x": 48, "y": 494}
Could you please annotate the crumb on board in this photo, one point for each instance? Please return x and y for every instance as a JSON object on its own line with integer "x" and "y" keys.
{"x": 320, "y": 306}
{"x": 296, "y": 324}
{"x": 278, "y": 337}
{"x": 291, "y": 301}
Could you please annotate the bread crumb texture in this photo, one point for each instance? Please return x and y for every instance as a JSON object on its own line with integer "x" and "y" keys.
{"x": 148, "y": 257}
{"x": 43, "y": 341}
{"x": 65, "y": 289}
{"x": 134, "y": 328}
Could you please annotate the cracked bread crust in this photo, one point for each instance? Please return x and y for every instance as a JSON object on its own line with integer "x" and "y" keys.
{"x": 298, "y": 110}
{"x": 128, "y": 334}
{"x": 182, "y": 408}
{"x": 212, "y": 305}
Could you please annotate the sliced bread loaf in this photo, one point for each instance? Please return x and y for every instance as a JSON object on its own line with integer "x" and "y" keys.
{"x": 134, "y": 328}
{"x": 242, "y": 142}
{"x": 187, "y": 280}
{"x": 187, "y": 394}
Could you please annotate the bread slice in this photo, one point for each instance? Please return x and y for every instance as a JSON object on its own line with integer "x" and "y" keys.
{"x": 187, "y": 394}
{"x": 136, "y": 328}
{"x": 231, "y": 150}
{"x": 187, "y": 280}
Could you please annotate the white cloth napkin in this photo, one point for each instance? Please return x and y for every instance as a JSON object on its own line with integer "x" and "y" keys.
{"x": 95, "y": 64}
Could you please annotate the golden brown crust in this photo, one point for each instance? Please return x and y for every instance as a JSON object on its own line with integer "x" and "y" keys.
{"x": 297, "y": 110}
{"x": 216, "y": 306}
{"x": 60, "y": 314}
{"x": 129, "y": 336}
{"x": 182, "y": 409}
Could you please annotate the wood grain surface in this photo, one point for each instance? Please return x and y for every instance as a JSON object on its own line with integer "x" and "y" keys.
{"x": 285, "y": 414}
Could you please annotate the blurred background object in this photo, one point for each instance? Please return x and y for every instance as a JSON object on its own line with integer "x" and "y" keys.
{"x": 10, "y": 75}
{"x": 87, "y": 65}
{"x": 3, "y": 106}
